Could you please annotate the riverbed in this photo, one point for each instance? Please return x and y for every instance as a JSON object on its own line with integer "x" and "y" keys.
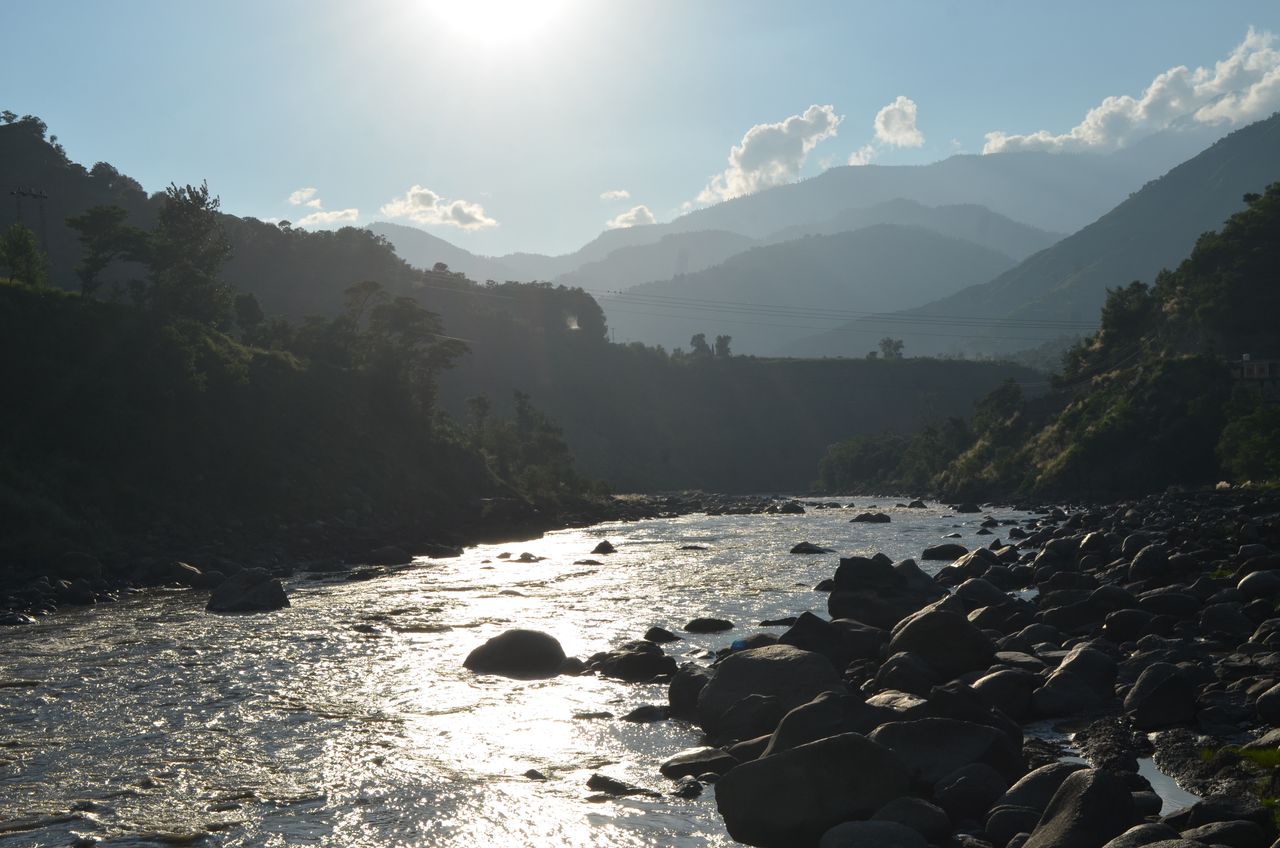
{"x": 348, "y": 719}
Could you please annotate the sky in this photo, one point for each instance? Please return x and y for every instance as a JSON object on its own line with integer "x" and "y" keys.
{"x": 532, "y": 125}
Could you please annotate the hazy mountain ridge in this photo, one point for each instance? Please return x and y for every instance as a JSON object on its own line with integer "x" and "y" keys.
{"x": 874, "y": 269}
{"x": 1155, "y": 228}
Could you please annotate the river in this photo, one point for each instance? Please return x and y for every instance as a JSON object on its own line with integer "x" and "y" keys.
{"x": 348, "y": 719}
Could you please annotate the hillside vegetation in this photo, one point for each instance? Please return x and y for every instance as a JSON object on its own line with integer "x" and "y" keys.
{"x": 1146, "y": 402}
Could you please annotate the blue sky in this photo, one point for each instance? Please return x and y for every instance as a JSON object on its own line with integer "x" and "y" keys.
{"x": 498, "y": 124}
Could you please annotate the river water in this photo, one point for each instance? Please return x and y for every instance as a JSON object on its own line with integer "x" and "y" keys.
{"x": 348, "y": 719}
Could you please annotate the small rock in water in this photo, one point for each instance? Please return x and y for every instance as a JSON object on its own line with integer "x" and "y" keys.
{"x": 693, "y": 547}
{"x": 809, "y": 548}
{"x": 660, "y": 635}
{"x": 534, "y": 774}
{"x": 617, "y": 788}
{"x": 523, "y": 654}
{"x": 687, "y": 787}
{"x": 605, "y": 547}
{"x": 778, "y": 622}
{"x": 528, "y": 557}
{"x": 708, "y": 625}
{"x": 250, "y": 590}
{"x": 587, "y": 562}
{"x": 599, "y": 714}
{"x": 646, "y": 713}
{"x": 870, "y": 518}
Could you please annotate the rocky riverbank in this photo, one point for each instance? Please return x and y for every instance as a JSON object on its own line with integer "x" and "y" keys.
{"x": 937, "y": 710}
{"x": 39, "y": 584}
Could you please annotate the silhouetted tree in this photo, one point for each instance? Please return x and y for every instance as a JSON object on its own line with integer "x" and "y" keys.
{"x": 891, "y": 348}
{"x": 186, "y": 252}
{"x": 106, "y": 238}
{"x": 698, "y": 346}
{"x": 722, "y": 345}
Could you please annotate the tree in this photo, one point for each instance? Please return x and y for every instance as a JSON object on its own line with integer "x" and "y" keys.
{"x": 722, "y": 345}
{"x": 891, "y": 348}
{"x": 186, "y": 252}
{"x": 249, "y": 316}
{"x": 8, "y": 116}
{"x": 698, "y": 346}
{"x": 23, "y": 257}
{"x": 106, "y": 239}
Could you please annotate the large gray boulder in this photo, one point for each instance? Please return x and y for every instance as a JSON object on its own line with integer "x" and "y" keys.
{"x": 876, "y": 593}
{"x": 1037, "y": 787}
{"x": 929, "y": 820}
{"x": 828, "y": 714}
{"x": 1089, "y": 808}
{"x": 793, "y": 798}
{"x": 250, "y": 590}
{"x": 1161, "y": 697}
{"x": 791, "y": 675}
{"x": 522, "y": 654}
{"x": 933, "y": 748}
{"x": 947, "y": 641}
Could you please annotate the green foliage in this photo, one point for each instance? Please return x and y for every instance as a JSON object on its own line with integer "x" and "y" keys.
{"x": 106, "y": 239}
{"x": 185, "y": 254}
{"x": 891, "y": 348}
{"x": 21, "y": 255}
{"x": 1249, "y": 446}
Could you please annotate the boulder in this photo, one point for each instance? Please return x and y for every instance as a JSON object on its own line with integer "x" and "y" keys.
{"x": 522, "y": 654}
{"x": 932, "y": 748}
{"x": 872, "y": 834}
{"x": 907, "y": 673}
{"x": 870, "y": 518}
{"x": 945, "y": 640}
{"x": 1037, "y": 787}
{"x": 793, "y": 676}
{"x": 695, "y": 761}
{"x": 635, "y": 662}
{"x": 841, "y": 641}
{"x": 1260, "y": 584}
{"x": 1148, "y": 833}
{"x": 878, "y": 593}
{"x": 1089, "y": 808}
{"x": 969, "y": 792}
{"x": 810, "y": 548}
{"x": 660, "y": 635}
{"x": 1268, "y": 705}
{"x": 945, "y": 551}
{"x": 708, "y": 625}
{"x": 829, "y": 714}
{"x": 1162, "y": 696}
{"x": 1232, "y": 834}
{"x": 684, "y": 688}
{"x": 929, "y": 820}
{"x": 605, "y": 547}
{"x": 1009, "y": 691}
{"x": 250, "y": 590}
{"x": 793, "y": 798}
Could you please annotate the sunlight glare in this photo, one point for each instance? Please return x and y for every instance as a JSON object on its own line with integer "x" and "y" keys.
{"x": 499, "y": 22}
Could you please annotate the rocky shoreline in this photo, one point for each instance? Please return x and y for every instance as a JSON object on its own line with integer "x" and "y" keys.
{"x": 39, "y": 585}
{"x": 916, "y": 713}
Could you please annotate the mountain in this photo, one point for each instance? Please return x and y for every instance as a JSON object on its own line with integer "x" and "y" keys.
{"x": 670, "y": 256}
{"x": 423, "y": 250}
{"x": 1060, "y": 290}
{"x": 1052, "y": 191}
{"x": 967, "y": 222}
{"x": 769, "y": 296}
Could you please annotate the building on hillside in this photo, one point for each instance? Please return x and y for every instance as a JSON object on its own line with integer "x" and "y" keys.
{"x": 1262, "y": 374}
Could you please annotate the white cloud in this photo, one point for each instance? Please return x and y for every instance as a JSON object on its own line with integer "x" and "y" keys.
{"x": 1241, "y": 88}
{"x": 616, "y": 194}
{"x": 636, "y": 216}
{"x": 305, "y": 197}
{"x": 771, "y": 154}
{"x": 329, "y": 218}
{"x": 423, "y": 206}
{"x": 863, "y": 155}
{"x": 896, "y": 124}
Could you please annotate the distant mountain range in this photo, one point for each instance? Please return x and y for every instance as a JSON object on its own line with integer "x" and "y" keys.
{"x": 771, "y": 295}
{"x": 1061, "y": 289}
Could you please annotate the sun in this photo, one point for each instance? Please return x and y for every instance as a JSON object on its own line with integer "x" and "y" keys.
{"x": 499, "y": 22}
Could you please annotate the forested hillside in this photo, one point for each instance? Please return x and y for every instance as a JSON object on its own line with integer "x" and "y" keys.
{"x": 1158, "y": 396}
